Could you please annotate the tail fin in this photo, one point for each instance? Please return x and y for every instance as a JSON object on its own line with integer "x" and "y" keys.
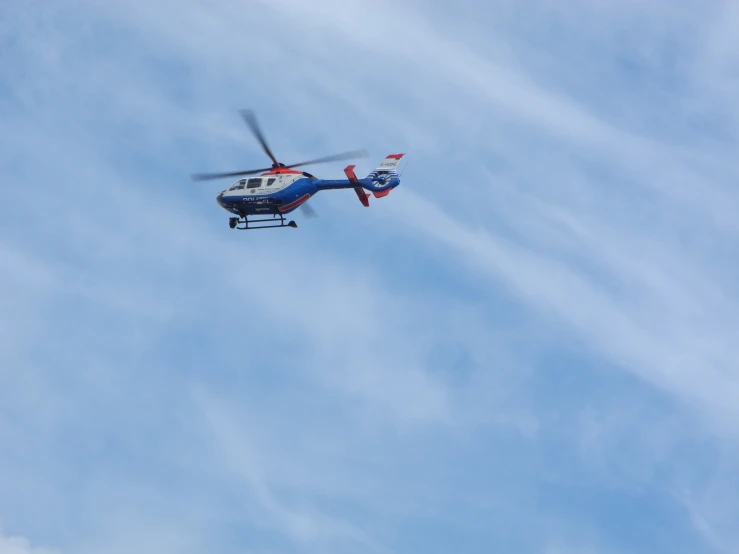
{"x": 385, "y": 175}
{"x": 388, "y": 166}
{"x": 382, "y": 179}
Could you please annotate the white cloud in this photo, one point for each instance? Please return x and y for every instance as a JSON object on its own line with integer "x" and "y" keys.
{"x": 373, "y": 365}
{"x": 20, "y": 545}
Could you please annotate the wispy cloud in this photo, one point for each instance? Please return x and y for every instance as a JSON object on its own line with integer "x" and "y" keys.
{"x": 534, "y": 331}
{"x": 20, "y": 545}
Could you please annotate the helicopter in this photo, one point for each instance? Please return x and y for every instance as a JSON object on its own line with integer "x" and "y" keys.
{"x": 263, "y": 202}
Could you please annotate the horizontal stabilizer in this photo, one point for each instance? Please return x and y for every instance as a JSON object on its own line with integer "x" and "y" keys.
{"x": 363, "y": 196}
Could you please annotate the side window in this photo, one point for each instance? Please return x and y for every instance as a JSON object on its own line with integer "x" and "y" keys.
{"x": 254, "y": 183}
{"x": 270, "y": 181}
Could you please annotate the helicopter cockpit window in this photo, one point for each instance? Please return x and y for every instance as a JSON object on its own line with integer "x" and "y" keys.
{"x": 254, "y": 183}
{"x": 240, "y": 185}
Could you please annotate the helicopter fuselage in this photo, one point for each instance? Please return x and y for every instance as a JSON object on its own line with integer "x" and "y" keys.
{"x": 272, "y": 192}
{"x": 281, "y": 191}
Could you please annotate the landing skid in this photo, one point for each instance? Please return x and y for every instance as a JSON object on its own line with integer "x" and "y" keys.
{"x": 245, "y": 224}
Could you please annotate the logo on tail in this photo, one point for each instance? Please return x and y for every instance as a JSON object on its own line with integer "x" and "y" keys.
{"x": 385, "y": 176}
{"x": 386, "y": 171}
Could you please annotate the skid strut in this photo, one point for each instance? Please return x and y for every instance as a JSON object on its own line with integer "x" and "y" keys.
{"x": 245, "y": 224}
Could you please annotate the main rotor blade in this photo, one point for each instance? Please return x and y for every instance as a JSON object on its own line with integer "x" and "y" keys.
{"x": 251, "y": 121}
{"x": 336, "y": 157}
{"x": 308, "y": 210}
{"x": 209, "y": 176}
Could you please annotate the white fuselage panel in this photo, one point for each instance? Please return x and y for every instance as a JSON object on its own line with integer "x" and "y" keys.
{"x": 261, "y": 185}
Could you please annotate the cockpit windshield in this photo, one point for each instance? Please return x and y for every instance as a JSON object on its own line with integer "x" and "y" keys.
{"x": 240, "y": 185}
{"x": 256, "y": 182}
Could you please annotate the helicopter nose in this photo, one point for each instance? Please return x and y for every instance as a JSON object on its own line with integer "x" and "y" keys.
{"x": 219, "y": 199}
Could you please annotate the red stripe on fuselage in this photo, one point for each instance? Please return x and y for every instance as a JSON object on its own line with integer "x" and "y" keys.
{"x": 282, "y": 171}
{"x": 297, "y": 202}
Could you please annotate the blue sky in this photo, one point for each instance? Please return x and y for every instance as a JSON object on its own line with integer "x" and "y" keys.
{"x": 526, "y": 347}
